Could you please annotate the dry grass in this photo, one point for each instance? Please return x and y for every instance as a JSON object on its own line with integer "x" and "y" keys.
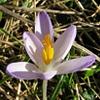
{"x": 17, "y": 16}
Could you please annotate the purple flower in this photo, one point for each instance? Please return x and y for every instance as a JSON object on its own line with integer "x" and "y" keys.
{"x": 48, "y": 55}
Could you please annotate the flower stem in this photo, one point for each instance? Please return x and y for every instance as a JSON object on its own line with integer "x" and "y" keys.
{"x": 45, "y": 89}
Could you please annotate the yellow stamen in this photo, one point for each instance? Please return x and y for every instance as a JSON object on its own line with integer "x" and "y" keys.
{"x": 48, "y": 50}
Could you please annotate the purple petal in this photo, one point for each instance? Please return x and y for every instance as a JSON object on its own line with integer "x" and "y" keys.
{"x": 43, "y": 25}
{"x": 28, "y": 71}
{"x": 64, "y": 43}
{"x": 48, "y": 75}
{"x": 75, "y": 65}
{"x": 33, "y": 47}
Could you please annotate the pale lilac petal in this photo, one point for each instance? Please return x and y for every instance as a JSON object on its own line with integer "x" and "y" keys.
{"x": 22, "y": 70}
{"x": 28, "y": 71}
{"x": 75, "y": 65}
{"x": 43, "y": 25}
{"x": 49, "y": 74}
{"x": 64, "y": 43}
{"x": 33, "y": 47}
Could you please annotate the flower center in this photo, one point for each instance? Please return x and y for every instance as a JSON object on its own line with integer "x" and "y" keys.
{"x": 48, "y": 50}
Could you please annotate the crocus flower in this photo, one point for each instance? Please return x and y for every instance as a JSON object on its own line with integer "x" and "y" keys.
{"x": 48, "y": 56}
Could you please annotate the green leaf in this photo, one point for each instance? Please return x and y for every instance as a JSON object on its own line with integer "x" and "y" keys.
{"x": 97, "y": 69}
{"x": 57, "y": 88}
{"x": 3, "y": 1}
{"x": 1, "y": 13}
{"x": 88, "y": 95}
{"x": 4, "y": 79}
{"x": 89, "y": 73}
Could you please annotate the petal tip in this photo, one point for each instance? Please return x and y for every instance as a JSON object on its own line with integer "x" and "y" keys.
{"x": 73, "y": 27}
{"x": 25, "y": 34}
{"x": 9, "y": 69}
{"x": 91, "y": 60}
{"x": 43, "y": 13}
